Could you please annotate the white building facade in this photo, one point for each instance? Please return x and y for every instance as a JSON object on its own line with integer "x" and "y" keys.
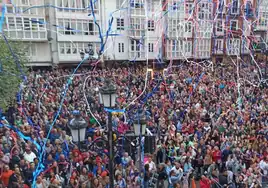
{"x": 137, "y": 29}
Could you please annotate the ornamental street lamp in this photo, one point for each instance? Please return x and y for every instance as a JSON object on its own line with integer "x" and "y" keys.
{"x": 139, "y": 130}
{"x": 78, "y": 127}
{"x": 108, "y": 99}
{"x": 88, "y": 51}
{"x": 265, "y": 52}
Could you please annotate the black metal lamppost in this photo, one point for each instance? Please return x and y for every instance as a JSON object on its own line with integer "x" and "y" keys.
{"x": 88, "y": 51}
{"x": 265, "y": 51}
{"x": 139, "y": 130}
{"x": 78, "y": 128}
{"x": 108, "y": 98}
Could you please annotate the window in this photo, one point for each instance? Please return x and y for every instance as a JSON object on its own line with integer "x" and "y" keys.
{"x": 135, "y": 45}
{"x": 132, "y": 45}
{"x": 67, "y": 27}
{"x": 83, "y": 3}
{"x": 188, "y": 27}
{"x": 68, "y": 48}
{"x": 19, "y": 23}
{"x": 121, "y": 48}
{"x": 62, "y": 48}
{"x": 233, "y": 46}
{"x": 219, "y": 26}
{"x": 119, "y": 4}
{"x": 189, "y": 8}
{"x": 74, "y": 48}
{"x": 42, "y": 23}
{"x": 34, "y": 25}
{"x": 234, "y": 25}
{"x": 151, "y": 47}
{"x": 33, "y": 49}
{"x": 174, "y": 45}
{"x": 11, "y": 23}
{"x": 136, "y": 4}
{"x": 27, "y": 24}
{"x": 188, "y": 47}
{"x": 24, "y": 2}
{"x": 80, "y": 47}
{"x": 219, "y": 45}
{"x": 79, "y": 28}
{"x": 85, "y": 28}
{"x": 59, "y": 3}
{"x": 73, "y": 27}
{"x": 150, "y": 25}
{"x": 66, "y": 3}
{"x": 9, "y": 9}
{"x": 30, "y": 49}
{"x": 235, "y": 7}
{"x": 91, "y": 28}
{"x": 205, "y": 11}
{"x": 120, "y": 24}
{"x": 61, "y": 26}
{"x": 221, "y": 6}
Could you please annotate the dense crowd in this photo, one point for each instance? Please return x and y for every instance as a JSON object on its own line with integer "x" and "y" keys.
{"x": 210, "y": 132}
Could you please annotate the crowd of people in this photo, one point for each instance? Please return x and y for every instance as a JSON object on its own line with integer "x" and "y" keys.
{"x": 209, "y": 131}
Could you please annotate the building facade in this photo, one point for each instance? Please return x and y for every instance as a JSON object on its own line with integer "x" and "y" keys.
{"x": 136, "y": 30}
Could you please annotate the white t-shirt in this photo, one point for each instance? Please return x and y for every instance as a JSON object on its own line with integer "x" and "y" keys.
{"x": 152, "y": 166}
{"x": 264, "y": 167}
{"x": 177, "y": 171}
{"x": 29, "y": 157}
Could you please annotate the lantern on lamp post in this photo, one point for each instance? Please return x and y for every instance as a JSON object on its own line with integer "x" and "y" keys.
{"x": 78, "y": 128}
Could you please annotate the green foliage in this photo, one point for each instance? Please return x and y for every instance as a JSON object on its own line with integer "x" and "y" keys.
{"x": 10, "y": 75}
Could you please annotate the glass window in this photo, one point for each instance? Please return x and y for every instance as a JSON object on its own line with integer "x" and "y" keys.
{"x": 132, "y": 45}
{"x": 62, "y": 48}
{"x": 151, "y": 25}
{"x": 119, "y": 47}
{"x": 74, "y": 48}
{"x": 26, "y": 24}
{"x": 59, "y": 4}
{"x": 11, "y": 23}
{"x": 84, "y": 4}
{"x": 33, "y": 50}
{"x": 41, "y": 24}
{"x": 68, "y": 48}
{"x": 9, "y": 9}
{"x": 79, "y": 4}
{"x": 119, "y": 24}
{"x": 91, "y": 28}
{"x": 19, "y": 23}
{"x": 66, "y": 3}
{"x": 85, "y": 28}
{"x": 34, "y": 24}
{"x": 67, "y": 27}
{"x": 80, "y": 47}
{"x": 123, "y": 47}
{"x": 73, "y": 27}
{"x": 24, "y": 2}
{"x": 233, "y": 25}
{"x": 79, "y": 28}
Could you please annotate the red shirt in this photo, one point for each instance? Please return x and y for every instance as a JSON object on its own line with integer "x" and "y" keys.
{"x": 216, "y": 155}
{"x": 205, "y": 183}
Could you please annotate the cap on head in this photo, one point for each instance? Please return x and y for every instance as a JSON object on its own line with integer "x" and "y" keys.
{"x": 76, "y": 113}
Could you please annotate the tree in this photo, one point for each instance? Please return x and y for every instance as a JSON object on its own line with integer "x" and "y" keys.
{"x": 12, "y": 70}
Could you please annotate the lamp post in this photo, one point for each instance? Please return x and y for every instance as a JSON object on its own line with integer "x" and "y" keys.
{"x": 264, "y": 50}
{"x": 78, "y": 128}
{"x": 88, "y": 51}
{"x": 107, "y": 98}
{"x": 139, "y": 130}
